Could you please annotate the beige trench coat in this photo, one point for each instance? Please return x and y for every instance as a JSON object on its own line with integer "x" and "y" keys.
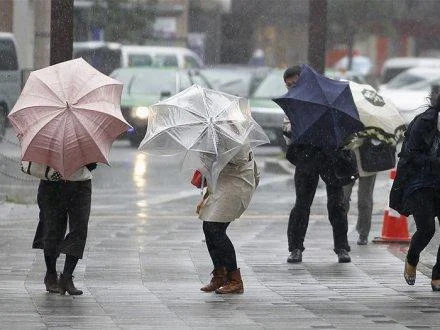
{"x": 235, "y": 186}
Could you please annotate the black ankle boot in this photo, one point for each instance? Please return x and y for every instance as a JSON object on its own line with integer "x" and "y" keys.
{"x": 51, "y": 282}
{"x": 65, "y": 283}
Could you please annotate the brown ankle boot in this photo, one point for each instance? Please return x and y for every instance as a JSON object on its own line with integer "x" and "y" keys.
{"x": 65, "y": 283}
{"x": 218, "y": 279}
{"x": 435, "y": 285}
{"x": 235, "y": 284}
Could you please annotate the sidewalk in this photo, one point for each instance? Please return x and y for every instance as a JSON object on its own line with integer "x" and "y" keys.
{"x": 146, "y": 273}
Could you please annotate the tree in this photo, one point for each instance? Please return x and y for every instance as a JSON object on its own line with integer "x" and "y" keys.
{"x": 123, "y": 20}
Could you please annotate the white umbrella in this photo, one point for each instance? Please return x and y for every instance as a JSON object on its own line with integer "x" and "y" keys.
{"x": 205, "y": 126}
{"x": 376, "y": 111}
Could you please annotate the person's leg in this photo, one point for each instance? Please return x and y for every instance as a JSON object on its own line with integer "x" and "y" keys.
{"x": 227, "y": 253}
{"x": 213, "y": 232}
{"x": 306, "y": 182}
{"x": 365, "y": 205}
{"x": 51, "y": 229}
{"x": 338, "y": 219}
{"x": 422, "y": 205}
{"x": 347, "y": 196}
{"x": 79, "y": 202}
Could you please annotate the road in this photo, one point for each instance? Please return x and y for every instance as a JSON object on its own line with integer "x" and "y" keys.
{"x": 146, "y": 259}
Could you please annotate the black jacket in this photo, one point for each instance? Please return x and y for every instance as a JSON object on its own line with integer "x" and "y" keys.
{"x": 336, "y": 167}
{"x": 417, "y": 167}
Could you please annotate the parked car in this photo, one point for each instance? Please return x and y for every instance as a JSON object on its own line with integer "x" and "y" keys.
{"x": 239, "y": 80}
{"x": 410, "y": 90}
{"x": 266, "y": 112}
{"x": 360, "y": 64}
{"x": 394, "y": 66}
{"x": 144, "y": 86}
{"x": 10, "y": 78}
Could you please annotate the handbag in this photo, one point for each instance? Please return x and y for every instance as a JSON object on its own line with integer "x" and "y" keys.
{"x": 40, "y": 171}
{"x": 340, "y": 168}
{"x": 377, "y": 157}
{"x": 197, "y": 179}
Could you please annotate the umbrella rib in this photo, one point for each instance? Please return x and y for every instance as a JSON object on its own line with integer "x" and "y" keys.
{"x": 104, "y": 85}
{"x": 49, "y": 89}
{"x": 90, "y": 136}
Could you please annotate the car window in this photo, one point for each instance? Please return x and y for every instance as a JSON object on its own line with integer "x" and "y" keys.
{"x": 185, "y": 81}
{"x": 404, "y": 79}
{"x": 147, "y": 82}
{"x": 190, "y": 62}
{"x": 423, "y": 85}
{"x": 391, "y": 73}
{"x": 140, "y": 60}
{"x": 8, "y": 57}
{"x": 272, "y": 86}
{"x": 166, "y": 60}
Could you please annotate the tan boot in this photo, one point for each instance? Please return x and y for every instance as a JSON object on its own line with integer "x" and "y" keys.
{"x": 218, "y": 279}
{"x": 435, "y": 285}
{"x": 235, "y": 284}
{"x": 409, "y": 273}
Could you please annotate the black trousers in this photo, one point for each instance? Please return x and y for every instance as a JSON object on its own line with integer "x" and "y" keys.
{"x": 219, "y": 245}
{"x": 63, "y": 203}
{"x": 425, "y": 206}
{"x": 306, "y": 181}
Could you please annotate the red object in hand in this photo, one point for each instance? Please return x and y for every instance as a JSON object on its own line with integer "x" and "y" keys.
{"x": 197, "y": 179}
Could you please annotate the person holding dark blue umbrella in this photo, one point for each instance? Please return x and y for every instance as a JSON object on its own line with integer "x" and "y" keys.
{"x": 319, "y": 118}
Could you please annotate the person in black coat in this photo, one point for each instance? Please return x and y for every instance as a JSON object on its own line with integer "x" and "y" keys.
{"x": 311, "y": 164}
{"x": 416, "y": 189}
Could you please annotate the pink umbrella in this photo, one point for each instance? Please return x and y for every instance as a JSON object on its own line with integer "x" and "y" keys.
{"x": 68, "y": 115}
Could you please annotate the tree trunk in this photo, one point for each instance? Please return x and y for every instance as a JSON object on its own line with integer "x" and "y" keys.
{"x": 61, "y": 31}
{"x": 317, "y": 34}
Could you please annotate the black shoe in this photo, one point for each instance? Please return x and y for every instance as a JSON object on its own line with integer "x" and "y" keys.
{"x": 295, "y": 256}
{"x": 363, "y": 240}
{"x": 65, "y": 283}
{"x": 343, "y": 256}
{"x": 51, "y": 282}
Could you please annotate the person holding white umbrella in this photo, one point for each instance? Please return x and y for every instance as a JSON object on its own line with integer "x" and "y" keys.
{"x": 214, "y": 133}
{"x": 375, "y": 149}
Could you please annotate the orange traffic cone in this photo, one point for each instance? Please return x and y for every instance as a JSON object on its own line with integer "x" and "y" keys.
{"x": 395, "y": 225}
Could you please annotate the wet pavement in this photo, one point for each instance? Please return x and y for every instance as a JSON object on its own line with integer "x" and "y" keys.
{"x": 145, "y": 260}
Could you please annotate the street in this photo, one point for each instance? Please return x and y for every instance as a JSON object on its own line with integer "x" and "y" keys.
{"x": 145, "y": 258}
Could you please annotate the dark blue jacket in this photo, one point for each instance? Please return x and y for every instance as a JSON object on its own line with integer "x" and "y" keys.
{"x": 419, "y": 164}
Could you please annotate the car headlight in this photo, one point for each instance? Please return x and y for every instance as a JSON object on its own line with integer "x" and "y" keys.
{"x": 140, "y": 112}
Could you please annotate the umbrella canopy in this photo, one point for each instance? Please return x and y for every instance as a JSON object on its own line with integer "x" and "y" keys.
{"x": 67, "y": 116}
{"x": 375, "y": 110}
{"x": 208, "y": 128}
{"x": 321, "y": 110}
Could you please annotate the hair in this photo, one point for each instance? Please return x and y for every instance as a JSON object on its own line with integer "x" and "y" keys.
{"x": 291, "y": 72}
{"x": 434, "y": 97}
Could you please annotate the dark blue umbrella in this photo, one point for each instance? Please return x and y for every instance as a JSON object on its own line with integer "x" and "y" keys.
{"x": 321, "y": 110}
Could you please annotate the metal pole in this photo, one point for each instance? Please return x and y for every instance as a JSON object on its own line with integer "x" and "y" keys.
{"x": 317, "y": 34}
{"x": 61, "y": 31}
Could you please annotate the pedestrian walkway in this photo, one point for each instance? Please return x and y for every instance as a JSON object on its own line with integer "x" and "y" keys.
{"x": 145, "y": 273}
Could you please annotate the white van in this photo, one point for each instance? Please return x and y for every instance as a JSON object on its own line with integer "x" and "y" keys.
{"x": 10, "y": 78}
{"x": 159, "y": 56}
{"x": 108, "y": 56}
{"x": 393, "y": 66}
